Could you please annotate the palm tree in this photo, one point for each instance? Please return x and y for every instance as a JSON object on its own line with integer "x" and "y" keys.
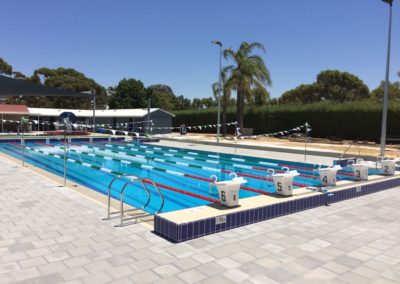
{"x": 247, "y": 73}
{"x": 226, "y": 95}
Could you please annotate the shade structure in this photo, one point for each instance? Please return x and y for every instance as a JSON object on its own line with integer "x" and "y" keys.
{"x": 10, "y": 87}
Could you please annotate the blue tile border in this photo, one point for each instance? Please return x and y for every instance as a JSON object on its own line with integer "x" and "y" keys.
{"x": 187, "y": 231}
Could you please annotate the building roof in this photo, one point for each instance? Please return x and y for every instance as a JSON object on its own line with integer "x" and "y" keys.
{"x": 13, "y": 109}
{"x": 10, "y": 87}
{"x": 136, "y": 112}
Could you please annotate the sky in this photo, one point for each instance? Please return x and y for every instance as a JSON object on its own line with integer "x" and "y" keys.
{"x": 168, "y": 41}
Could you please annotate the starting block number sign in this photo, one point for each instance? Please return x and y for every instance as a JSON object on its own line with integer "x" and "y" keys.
{"x": 220, "y": 220}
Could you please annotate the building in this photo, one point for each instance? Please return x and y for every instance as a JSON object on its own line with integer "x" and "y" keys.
{"x": 121, "y": 119}
{"x": 10, "y": 115}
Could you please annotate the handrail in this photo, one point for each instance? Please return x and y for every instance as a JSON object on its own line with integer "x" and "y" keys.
{"x": 109, "y": 194}
{"x": 147, "y": 180}
{"x": 122, "y": 197}
{"x": 348, "y": 148}
{"x": 133, "y": 178}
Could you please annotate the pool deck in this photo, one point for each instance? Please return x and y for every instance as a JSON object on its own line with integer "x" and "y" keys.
{"x": 50, "y": 234}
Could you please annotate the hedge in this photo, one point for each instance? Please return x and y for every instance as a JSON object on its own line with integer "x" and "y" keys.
{"x": 357, "y": 120}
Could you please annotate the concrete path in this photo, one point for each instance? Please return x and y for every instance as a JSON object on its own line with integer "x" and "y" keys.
{"x": 51, "y": 234}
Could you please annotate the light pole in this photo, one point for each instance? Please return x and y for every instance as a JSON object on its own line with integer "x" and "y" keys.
{"x": 386, "y": 87}
{"x": 219, "y": 88}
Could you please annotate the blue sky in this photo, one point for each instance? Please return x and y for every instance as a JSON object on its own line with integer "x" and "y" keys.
{"x": 168, "y": 41}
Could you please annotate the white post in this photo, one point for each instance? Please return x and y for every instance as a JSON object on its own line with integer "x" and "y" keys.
{"x": 65, "y": 152}
{"x": 23, "y": 142}
{"x": 305, "y": 144}
{"x": 386, "y": 88}
{"x": 2, "y": 126}
{"x": 94, "y": 113}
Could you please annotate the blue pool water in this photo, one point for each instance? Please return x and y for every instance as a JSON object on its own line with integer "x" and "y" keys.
{"x": 182, "y": 175}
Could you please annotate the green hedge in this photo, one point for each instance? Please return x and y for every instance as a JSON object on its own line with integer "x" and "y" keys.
{"x": 357, "y": 120}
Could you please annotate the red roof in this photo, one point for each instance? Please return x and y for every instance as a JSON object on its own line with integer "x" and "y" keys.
{"x": 13, "y": 109}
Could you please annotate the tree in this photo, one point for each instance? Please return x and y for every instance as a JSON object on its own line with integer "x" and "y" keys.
{"x": 247, "y": 72}
{"x": 394, "y": 91}
{"x": 181, "y": 103}
{"x": 226, "y": 95}
{"x": 301, "y": 94}
{"x": 331, "y": 85}
{"x": 5, "y": 68}
{"x": 337, "y": 86}
{"x": 261, "y": 96}
{"x": 67, "y": 79}
{"x": 129, "y": 93}
{"x": 161, "y": 96}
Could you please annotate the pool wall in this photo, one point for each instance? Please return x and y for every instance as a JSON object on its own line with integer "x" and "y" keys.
{"x": 180, "y": 232}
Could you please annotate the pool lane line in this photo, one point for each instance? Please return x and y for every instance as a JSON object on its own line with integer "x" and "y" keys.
{"x": 223, "y": 171}
{"x": 206, "y": 168}
{"x": 236, "y": 166}
{"x": 95, "y": 188}
{"x": 307, "y": 169}
{"x": 201, "y": 153}
{"x": 136, "y": 164}
{"x": 120, "y": 173}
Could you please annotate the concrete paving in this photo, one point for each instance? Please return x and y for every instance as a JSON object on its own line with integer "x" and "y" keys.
{"x": 51, "y": 234}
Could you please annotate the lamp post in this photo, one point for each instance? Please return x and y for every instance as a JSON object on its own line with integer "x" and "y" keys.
{"x": 386, "y": 87}
{"x": 219, "y": 88}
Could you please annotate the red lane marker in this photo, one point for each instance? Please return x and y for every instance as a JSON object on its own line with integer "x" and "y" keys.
{"x": 346, "y": 174}
{"x": 42, "y": 143}
{"x": 296, "y": 167}
{"x": 255, "y": 190}
{"x": 185, "y": 192}
{"x": 199, "y": 178}
{"x": 16, "y": 144}
{"x": 242, "y": 187}
{"x": 265, "y": 178}
{"x": 117, "y": 142}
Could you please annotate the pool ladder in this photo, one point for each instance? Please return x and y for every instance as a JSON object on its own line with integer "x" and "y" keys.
{"x": 131, "y": 179}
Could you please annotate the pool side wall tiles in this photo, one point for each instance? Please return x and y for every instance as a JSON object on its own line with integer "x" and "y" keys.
{"x": 187, "y": 231}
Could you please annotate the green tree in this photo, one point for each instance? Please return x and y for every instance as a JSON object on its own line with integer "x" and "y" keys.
{"x": 162, "y": 97}
{"x": 394, "y": 91}
{"x": 67, "y": 79}
{"x": 5, "y": 68}
{"x": 129, "y": 93}
{"x": 181, "y": 103}
{"x": 301, "y": 94}
{"x": 247, "y": 72}
{"x": 334, "y": 85}
{"x": 197, "y": 104}
{"x": 261, "y": 96}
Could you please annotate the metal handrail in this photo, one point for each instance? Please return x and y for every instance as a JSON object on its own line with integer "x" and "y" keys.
{"x": 159, "y": 193}
{"x": 109, "y": 194}
{"x": 348, "y": 148}
{"x": 132, "y": 179}
{"x": 121, "y": 218}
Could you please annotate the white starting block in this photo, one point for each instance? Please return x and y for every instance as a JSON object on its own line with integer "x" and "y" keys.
{"x": 360, "y": 169}
{"x": 388, "y": 166}
{"x": 284, "y": 181}
{"x": 228, "y": 190}
{"x": 327, "y": 176}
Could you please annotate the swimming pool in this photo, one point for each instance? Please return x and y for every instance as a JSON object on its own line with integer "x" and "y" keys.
{"x": 182, "y": 175}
